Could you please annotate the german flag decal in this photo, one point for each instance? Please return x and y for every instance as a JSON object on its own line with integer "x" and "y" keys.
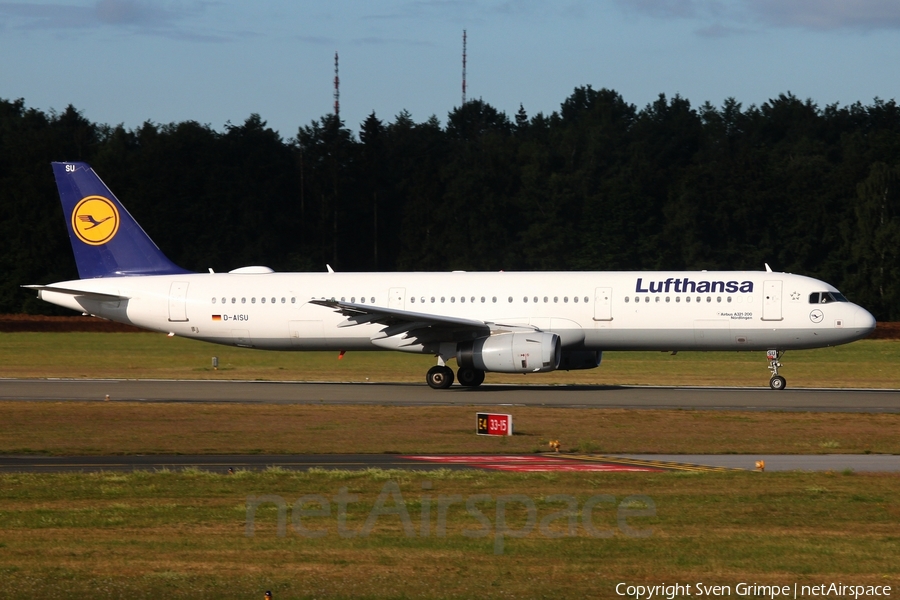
{"x": 217, "y": 317}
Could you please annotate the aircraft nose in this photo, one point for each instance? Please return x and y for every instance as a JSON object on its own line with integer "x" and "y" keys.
{"x": 864, "y": 320}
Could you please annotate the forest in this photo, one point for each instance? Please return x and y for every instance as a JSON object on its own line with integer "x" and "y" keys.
{"x": 599, "y": 184}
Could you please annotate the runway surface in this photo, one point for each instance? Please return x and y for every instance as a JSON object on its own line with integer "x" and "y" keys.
{"x": 576, "y": 396}
{"x": 511, "y": 463}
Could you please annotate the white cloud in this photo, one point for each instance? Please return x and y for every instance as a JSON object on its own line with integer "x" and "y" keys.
{"x": 725, "y": 17}
{"x": 865, "y": 15}
{"x": 138, "y": 16}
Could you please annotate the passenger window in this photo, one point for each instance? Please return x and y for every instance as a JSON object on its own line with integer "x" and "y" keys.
{"x": 293, "y": 300}
{"x": 545, "y": 299}
{"x": 432, "y": 299}
{"x": 555, "y": 299}
{"x": 678, "y": 298}
{"x": 352, "y": 299}
{"x": 442, "y": 299}
{"x": 412, "y": 299}
{"x": 482, "y": 299}
{"x": 709, "y": 298}
{"x": 565, "y": 299}
{"x": 243, "y": 301}
{"x": 263, "y": 300}
{"x": 510, "y": 299}
{"x": 719, "y": 299}
{"x": 525, "y": 299}
{"x": 224, "y": 300}
{"x": 253, "y": 300}
{"x": 453, "y": 299}
{"x": 462, "y": 299}
{"x": 667, "y": 298}
{"x": 728, "y": 299}
{"x": 494, "y": 299}
{"x": 234, "y": 300}
{"x": 627, "y": 299}
{"x": 585, "y": 299}
{"x": 688, "y": 299}
{"x": 283, "y": 300}
{"x": 575, "y": 299}
{"x": 213, "y": 300}
{"x": 372, "y": 299}
{"x": 657, "y": 299}
{"x": 646, "y": 299}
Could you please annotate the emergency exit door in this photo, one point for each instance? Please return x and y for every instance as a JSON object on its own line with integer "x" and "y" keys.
{"x": 771, "y": 301}
{"x": 178, "y": 301}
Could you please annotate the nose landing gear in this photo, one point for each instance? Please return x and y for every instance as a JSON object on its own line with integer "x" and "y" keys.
{"x": 777, "y": 382}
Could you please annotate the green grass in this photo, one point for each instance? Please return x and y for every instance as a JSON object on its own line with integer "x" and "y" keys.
{"x": 867, "y": 363}
{"x": 180, "y": 535}
{"x": 106, "y": 428}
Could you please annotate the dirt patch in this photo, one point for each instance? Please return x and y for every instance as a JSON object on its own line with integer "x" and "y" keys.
{"x": 41, "y": 323}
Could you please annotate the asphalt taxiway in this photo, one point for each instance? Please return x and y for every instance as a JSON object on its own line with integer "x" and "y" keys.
{"x": 571, "y": 396}
{"x": 519, "y": 463}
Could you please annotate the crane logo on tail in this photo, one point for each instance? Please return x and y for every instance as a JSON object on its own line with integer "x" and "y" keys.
{"x": 95, "y": 220}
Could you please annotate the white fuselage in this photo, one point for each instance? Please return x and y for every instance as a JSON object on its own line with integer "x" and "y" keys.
{"x": 724, "y": 310}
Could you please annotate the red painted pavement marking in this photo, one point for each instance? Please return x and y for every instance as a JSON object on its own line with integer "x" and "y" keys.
{"x": 529, "y": 464}
{"x": 557, "y": 468}
{"x": 487, "y": 459}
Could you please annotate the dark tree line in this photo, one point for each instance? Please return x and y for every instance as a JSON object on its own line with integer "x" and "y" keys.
{"x": 597, "y": 185}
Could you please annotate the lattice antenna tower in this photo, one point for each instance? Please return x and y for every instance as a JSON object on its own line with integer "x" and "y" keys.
{"x": 337, "y": 88}
{"x": 464, "y": 70}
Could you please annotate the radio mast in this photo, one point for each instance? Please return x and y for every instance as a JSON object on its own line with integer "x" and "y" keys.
{"x": 337, "y": 88}
{"x": 464, "y": 70}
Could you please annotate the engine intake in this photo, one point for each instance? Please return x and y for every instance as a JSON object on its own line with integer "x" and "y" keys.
{"x": 520, "y": 352}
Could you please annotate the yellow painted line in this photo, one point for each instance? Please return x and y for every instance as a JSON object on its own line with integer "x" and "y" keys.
{"x": 660, "y": 464}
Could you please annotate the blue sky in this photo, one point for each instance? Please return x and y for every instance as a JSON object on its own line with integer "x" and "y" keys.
{"x": 128, "y": 61}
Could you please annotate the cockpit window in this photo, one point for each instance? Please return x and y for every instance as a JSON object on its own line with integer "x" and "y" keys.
{"x": 826, "y": 297}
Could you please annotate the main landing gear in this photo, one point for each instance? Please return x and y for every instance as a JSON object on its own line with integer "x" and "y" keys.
{"x": 440, "y": 377}
{"x": 469, "y": 377}
{"x": 777, "y": 382}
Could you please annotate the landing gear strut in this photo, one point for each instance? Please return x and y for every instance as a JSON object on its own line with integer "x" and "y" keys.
{"x": 439, "y": 377}
{"x": 469, "y": 377}
{"x": 777, "y": 382}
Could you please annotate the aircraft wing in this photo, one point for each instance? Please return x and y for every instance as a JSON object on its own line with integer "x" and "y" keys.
{"x": 401, "y": 320}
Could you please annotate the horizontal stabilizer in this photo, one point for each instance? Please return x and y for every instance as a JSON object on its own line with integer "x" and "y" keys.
{"x": 96, "y": 296}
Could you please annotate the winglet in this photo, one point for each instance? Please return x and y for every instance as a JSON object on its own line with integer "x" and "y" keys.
{"x": 106, "y": 240}
{"x": 768, "y": 268}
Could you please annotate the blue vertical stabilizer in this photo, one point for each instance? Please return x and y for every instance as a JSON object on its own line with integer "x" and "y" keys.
{"x": 107, "y": 241}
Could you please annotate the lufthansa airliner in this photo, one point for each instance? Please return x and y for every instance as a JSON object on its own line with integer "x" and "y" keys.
{"x": 502, "y": 322}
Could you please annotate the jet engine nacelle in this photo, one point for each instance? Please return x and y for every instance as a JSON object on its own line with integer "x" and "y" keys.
{"x": 520, "y": 352}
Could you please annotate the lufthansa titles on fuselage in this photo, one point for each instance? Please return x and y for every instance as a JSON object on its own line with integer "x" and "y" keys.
{"x": 686, "y": 284}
